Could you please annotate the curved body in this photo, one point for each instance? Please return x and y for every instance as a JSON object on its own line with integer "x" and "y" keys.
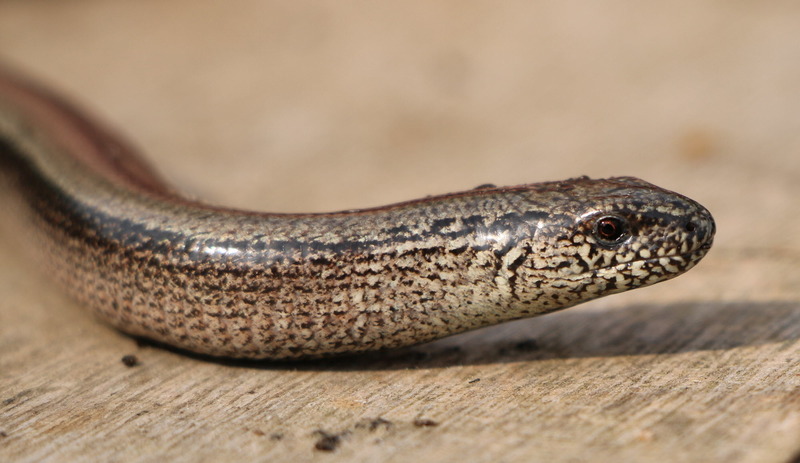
{"x": 234, "y": 283}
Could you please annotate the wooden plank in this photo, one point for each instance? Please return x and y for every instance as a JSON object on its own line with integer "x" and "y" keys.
{"x": 698, "y": 98}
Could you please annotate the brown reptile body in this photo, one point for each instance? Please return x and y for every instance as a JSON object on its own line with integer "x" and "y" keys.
{"x": 234, "y": 283}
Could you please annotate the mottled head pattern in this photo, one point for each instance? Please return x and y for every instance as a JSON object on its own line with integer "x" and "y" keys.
{"x": 606, "y": 236}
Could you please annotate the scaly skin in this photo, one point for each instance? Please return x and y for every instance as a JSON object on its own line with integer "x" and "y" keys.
{"x": 233, "y": 283}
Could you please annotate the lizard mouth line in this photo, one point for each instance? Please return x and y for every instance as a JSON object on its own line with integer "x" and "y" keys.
{"x": 688, "y": 257}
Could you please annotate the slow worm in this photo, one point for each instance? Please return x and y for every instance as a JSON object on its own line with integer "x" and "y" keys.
{"x": 233, "y": 283}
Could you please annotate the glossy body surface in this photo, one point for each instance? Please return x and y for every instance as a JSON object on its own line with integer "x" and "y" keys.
{"x": 234, "y": 283}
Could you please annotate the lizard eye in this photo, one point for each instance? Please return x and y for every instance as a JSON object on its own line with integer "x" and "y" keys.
{"x": 610, "y": 230}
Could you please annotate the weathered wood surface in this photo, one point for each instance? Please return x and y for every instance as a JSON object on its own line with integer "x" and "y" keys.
{"x": 312, "y": 106}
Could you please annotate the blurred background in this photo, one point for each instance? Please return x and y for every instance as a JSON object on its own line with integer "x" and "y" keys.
{"x": 314, "y": 106}
{"x": 326, "y": 105}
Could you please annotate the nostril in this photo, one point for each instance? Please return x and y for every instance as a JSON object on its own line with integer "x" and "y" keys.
{"x": 690, "y": 226}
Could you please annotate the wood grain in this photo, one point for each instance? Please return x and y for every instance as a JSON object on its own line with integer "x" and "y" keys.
{"x": 403, "y": 100}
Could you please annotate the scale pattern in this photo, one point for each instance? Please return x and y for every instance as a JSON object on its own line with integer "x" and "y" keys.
{"x": 241, "y": 284}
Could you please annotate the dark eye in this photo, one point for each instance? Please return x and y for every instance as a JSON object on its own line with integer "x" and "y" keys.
{"x": 610, "y": 229}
